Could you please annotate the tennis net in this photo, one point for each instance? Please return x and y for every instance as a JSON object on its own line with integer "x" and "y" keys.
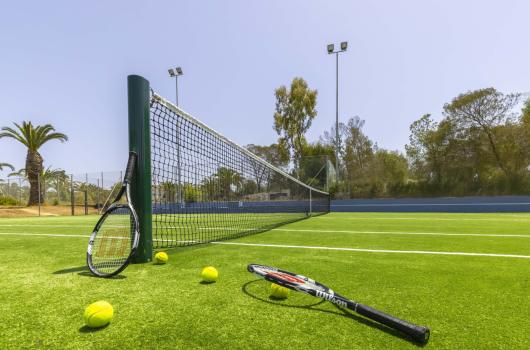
{"x": 207, "y": 188}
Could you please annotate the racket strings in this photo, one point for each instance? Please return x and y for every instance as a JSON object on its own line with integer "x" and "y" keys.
{"x": 113, "y": 242}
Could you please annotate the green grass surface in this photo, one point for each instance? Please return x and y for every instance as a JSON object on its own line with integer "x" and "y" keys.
{"x": 469, "y": 302}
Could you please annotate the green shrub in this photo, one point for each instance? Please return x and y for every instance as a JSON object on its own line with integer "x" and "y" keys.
{"x": 192, "y": 193}
{"x": 5, "y": 200}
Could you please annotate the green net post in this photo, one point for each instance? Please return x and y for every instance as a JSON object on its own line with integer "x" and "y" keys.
{"x": 139, "y": 142}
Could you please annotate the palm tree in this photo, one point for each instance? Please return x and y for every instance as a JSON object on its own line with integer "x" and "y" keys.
{"x": 33, "y": 137}
{"x": 19, "y": 173}
{"x": 6, "y": 165}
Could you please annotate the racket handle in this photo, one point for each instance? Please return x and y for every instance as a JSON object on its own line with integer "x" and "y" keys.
{"x": 419, "y": 333}
{"x": 131, "y": 164}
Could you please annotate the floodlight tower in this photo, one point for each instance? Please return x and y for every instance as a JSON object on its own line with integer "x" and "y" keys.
{"x": 174, "y": 73}
{"x": 331, "y": 50}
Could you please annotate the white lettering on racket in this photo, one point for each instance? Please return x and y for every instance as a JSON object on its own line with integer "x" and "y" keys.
{"x": 331, "y": 298}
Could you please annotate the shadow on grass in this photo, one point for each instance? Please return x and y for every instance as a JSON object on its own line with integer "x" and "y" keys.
{"x": 275, "y": 301}
{"x": 340, "y": 312}
{"x": 87, "y": 329}
{"x": 70, "y": 270}
{"x": 89, "y": 274}
{"x": 206, "y": 282}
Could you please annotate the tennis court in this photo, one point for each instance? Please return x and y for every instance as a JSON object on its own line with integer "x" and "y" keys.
{"x": 463, "y": 275}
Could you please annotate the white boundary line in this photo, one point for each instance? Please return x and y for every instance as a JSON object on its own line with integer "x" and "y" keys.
{"x": 91, "y": 225}
{"x": 75, "y": 236}
{"x": 514, "y": 218}
{"x": 375, "y": 250}
{"x": 424, "y": 204}
{"x": 398, "y": 233}
{"x": 404, "y": 233}
{"x": 42, "y": 234}
{"x": 308, "y": 247}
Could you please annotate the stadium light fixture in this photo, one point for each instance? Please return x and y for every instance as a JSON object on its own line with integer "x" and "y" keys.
{"x": 174, "y": 73}
{"x": 331, "y": 47}
{"x": 343, "y": 45}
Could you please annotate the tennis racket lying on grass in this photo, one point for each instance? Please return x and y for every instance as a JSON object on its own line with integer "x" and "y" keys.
{"x": 115, "y": 237}
{"x": 306, "y": 285}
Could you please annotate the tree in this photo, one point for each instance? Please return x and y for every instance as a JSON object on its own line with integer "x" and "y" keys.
{"x": 49, "y": 179}
{"x": 389, "y": 170}
{"x": 358, "y": 148}
{"x": 230, "y": 181}
{"x": 330, "y": 138}
{"x": 444, "y": 159}
{"x": 514, "y": 147}
{"x": 428, "y": 149}
{"x": 262, "y": 173}
{"x": 525, "y": 115}
{"x": 192, "y": 193}
{"x": 355, "y": 150}
{"x": 58, "y": 181}
{"x": 222, "y": 184}
{"x": 6, "y": 165}
{"x": 295, "y": 110}
{"x": 270, "y": 154}
{"x": 167, "y": 191}
{"x": 478, "y": 148}
{"x": 484, "y": 109}
{"x": 312, "y": 167}
{"x": 33, "y": 137}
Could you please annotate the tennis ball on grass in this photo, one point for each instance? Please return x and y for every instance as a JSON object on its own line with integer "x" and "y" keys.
{"x": 98, "y": 314}
{"x": 209, "y": 274}
{"x": 279, "y": 292}
{"x": 161, "y": 258}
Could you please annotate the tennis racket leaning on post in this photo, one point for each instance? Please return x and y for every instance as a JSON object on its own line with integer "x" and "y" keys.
{"x": 115, "y": 237}
{"x": 307, "y": 285}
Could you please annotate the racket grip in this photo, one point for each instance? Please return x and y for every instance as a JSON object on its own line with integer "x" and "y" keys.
{"x": 418, "y": 333}
{"x": 131, "y": 164}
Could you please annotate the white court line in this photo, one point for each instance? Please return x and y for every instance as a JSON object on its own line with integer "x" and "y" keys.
{"x": 315, "y": 231}
{"x": 424, "y": 204}
{"x": 53, "y": 235}
{"x": 307, "y": 247}
{"x": 521, "y": 219}
{"x": 88, "y": 226}
{"x": 46, "y": 225}
{"x": 405, "y": 233}
{"x": 171, "y": 226}
{"x": 375, "y": 250}
{"x": 41, "y": 234}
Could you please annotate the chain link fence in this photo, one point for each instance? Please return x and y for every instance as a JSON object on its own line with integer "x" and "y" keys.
{"x": 60, "y": 193}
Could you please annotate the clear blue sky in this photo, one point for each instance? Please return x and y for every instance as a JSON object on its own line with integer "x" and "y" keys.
{"x": 66, "y": 63}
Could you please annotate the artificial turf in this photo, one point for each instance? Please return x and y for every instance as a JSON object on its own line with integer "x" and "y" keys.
{"x": 469, "y": 302}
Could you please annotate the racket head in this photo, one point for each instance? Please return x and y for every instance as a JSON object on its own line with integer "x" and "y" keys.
{"x": 288, "y": 279}
{"x": 113, "y": 241}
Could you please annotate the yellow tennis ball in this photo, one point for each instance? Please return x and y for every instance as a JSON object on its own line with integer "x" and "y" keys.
{"x": 209, "y": 274}
{"x": 279, "y": 292}
{"x": 161, "y": 258}
{"x": 98, "y": 314}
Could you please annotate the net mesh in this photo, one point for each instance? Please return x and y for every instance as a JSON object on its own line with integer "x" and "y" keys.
{"x": 207, "y": 188}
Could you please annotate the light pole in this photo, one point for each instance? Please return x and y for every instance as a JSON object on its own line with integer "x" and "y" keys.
{"x": 331, "y": 50}
{"x": 174, "y": 73}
